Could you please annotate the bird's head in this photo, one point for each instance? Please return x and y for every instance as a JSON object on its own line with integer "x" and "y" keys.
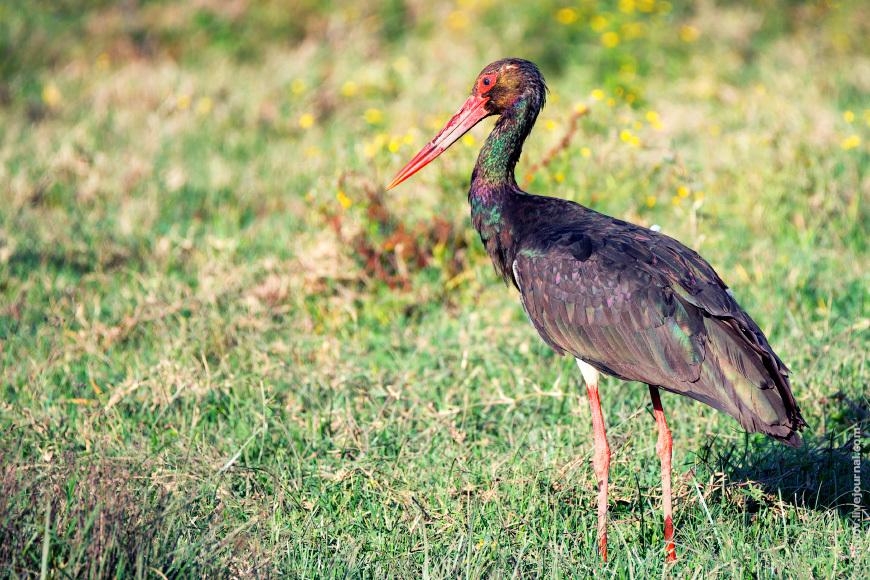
{"x": 498, "y": 87}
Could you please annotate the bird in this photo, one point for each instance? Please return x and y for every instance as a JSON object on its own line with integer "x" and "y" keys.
{"x": 623, "y": 300}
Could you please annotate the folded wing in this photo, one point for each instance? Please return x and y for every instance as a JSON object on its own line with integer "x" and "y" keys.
{"x": 643, "y": 307}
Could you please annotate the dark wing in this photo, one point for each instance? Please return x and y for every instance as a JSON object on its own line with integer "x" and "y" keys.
{"x": 685, "y": 270}
{"x": 642, "y": 307}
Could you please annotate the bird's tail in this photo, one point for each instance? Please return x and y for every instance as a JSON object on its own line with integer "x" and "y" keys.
{"x": 746, "y": 380}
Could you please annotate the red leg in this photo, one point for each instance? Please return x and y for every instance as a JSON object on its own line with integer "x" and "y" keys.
{"x": 601, "y": 460}
{"x": 664, "y": 448}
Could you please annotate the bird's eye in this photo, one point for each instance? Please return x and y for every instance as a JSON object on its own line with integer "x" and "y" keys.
{"x": 486, "y": 83}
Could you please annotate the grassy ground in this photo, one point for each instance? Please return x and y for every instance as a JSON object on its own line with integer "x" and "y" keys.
{"x": 225, "y": 351}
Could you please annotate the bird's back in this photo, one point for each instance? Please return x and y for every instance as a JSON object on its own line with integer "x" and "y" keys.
{"x": 641, "y": 306}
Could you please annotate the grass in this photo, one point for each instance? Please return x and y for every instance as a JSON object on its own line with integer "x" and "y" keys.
{"x": 226, "y": 352}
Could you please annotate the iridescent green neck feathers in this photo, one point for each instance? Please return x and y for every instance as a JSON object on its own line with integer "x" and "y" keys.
{"x": 499, "y": 155}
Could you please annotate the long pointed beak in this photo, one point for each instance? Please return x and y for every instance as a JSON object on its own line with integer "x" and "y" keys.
{"x": 468, "y": 116}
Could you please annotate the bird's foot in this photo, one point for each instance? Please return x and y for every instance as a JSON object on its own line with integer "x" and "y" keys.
{"x": 602, "y": 546}
{"x": 669, "y": 539}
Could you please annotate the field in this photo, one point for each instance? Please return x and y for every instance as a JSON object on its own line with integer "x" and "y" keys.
{"x": 227, "y": 352}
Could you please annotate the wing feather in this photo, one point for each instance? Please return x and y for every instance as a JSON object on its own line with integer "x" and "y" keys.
{"x": 649, "y": 325}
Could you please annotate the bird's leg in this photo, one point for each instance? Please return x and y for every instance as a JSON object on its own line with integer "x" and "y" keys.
{"x": 664, "y": 448}
{"x": 601, "y": 460}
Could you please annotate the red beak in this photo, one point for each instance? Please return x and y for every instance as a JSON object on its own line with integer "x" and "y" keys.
{"x": 468, "y": 116}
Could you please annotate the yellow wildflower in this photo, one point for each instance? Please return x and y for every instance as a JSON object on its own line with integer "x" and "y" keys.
{"x": 580, "y": 108}
{"x": 586, "y": 152}
{"x": 550, "y": 125}
{"x": 394, "y": 145}
{"x": 306, "y": 121}
{"x": 650, "y": 201}
{"x": 626, "y": 6}
{"x": 597, "y": 95}
{"x": 432, "y": 122}
{"x": 625, "y": 135}
{"x": 689, "y": 33}
{"x": 468, "y": 139}
{"x": 635, "y": 30}
{"x": 598, "y": 23}
{"x": 663, "y": 7}
{"x": 343, "y": 199}
{"x": 646, "y": 5}
{"x": 203, "y": 106}
{"x": 675, "y": 200}
{"x": 51, "y": 96}
{"x": 652, "y": 116}
{"x": 182, "y": 101}
{"x": 373, "y": 116}
{"x": 683, "y": 191}
{"x": 850, "y": 142}
{"x": 610, "y": 39}
{"x": 637, "y": 125}
{"x": 611, "y": 102}
{"x": 457, "y": 20}
{"x": 348, "y": 89}
{"x": 298, "y": 86}
{"x": 560, "y": 177}
{"x": 715, "y": 130}
{"x": 567, "y": 16}
{"x": 849, "y": 116}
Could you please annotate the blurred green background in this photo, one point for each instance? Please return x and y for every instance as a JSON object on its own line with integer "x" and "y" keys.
{"x": 226, "y": 351}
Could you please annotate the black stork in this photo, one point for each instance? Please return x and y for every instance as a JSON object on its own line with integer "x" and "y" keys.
{"x": 623, "y": 300}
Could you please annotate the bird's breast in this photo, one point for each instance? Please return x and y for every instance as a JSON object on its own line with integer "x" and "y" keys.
{"x": 498, "y": 239}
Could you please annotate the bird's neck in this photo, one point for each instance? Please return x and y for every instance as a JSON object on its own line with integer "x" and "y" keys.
{"x": 494, "y": 189}
{"x": 499, "y": 155}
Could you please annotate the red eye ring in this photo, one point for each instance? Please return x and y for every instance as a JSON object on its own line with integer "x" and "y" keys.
{"x": 486, "y": 83}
